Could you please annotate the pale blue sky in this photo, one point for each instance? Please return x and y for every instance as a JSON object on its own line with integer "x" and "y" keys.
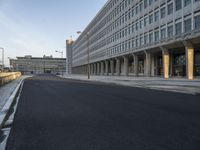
{"x": 38, "y": 27}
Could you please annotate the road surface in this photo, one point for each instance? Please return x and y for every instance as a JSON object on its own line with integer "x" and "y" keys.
{"x": 60, "y": 114}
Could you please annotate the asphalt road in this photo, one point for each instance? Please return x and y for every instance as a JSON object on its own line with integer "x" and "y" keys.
{"x": 61, "y": 114}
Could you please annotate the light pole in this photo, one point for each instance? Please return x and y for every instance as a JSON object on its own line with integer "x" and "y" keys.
{"x": 2, "y": 58}
{"x": 88, "y": 52}
{"x": 61, "y": 52}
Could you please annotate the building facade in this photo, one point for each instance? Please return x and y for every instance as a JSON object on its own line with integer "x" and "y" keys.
{"x": 141, "y": 38}
{"x": 39, "y": 65}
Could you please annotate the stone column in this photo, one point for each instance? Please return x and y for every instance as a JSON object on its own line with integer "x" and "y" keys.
{"x": 189, "y": 53}
{"x": 102, "y": 68}
{"x": 95, "y": 68}
{"x": 118, "y": 63}
{"x": 166, "y": 68}
{"x": 148, "y": 64}
{"x": 98, "y": 68}
{"x": 112, "y": 67}
{"x": 69, "y": 49}
{"x": 135, "y": 59}
{"x": 126, "y": 65}
{"x": 106, "y": 69}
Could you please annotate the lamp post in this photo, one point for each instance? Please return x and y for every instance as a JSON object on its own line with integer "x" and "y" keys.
{"x": 88, "y": 53}
{"x": 61, "y": 52}
{"x": 2, "y": 58}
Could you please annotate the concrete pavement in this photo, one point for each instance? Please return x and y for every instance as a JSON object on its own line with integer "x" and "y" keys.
{"x": 57, "y": 113}
{"x": 8, "y": 93}
{"x": 179, "y": 85}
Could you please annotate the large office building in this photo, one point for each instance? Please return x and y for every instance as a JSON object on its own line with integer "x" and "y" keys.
{"x": 39, "y": 65}
{"x": 140, "y": 38}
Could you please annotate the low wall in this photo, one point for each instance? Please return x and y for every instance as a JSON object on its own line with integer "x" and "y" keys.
{"x": 7, "y": 77}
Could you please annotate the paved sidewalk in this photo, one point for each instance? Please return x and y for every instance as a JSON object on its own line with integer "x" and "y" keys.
{"x": 6, "y": 91}
{"x": 174, "y": 84}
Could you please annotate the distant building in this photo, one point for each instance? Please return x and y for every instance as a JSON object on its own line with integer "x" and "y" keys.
{"x": 38, "y": 65}
{"x": 140, "y": 38}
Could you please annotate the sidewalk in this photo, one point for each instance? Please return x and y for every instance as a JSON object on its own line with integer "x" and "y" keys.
{"x": 7, "y": 94}
{"x": 7, "y": 90}
{"x": 180, "y": 85}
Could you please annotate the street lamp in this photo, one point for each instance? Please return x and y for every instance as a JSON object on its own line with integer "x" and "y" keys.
{"x": 88, "y": 53}
{"x": 2, "y": 58}
{"x": 61, "y": 52}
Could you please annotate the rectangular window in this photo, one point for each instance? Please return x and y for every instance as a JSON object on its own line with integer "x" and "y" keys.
{"x": 137, "y": 26}
{"x": 133, "y": 28}
{"x": 197, "y": 22}
{"x": 162, "y": 12}
{"x": 156, "y": 36}
{"x": 188, "y": 25}
{"x": 145, "y": 3}
{"x": 178, "y": 4}
{"x": 141, "y": 41}
{"x": 137, "y": 10}
{"x": 170, "y": 31}
{"x": 170, "y": 8}
{"x": 150, "y": 18}
{"x": 145, "y": 21}
{"x": 150, "y": 2}
{"x": 178, "y": 28}
{"x": 141, "y": 24}
{"x": 156, "y": 16}
{"x": 145, "y": 39}
{"x": 136, "y": 43}
{"x": 150, "y": 37}
{"x": 163, "y": 33}
{"x": 141, "y": 7}
{"x": 187, "y": 2}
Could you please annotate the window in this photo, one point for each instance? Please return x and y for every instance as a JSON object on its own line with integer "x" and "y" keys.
{"x": 162, "y": 12}
{"x": 178, "y": 4}
{"x": 150, "y": 2}
{"x": 141, "y": 40}
{"x": 178, "y": 28}
{"x": 197, "y": 22}
{"x": 136, "y": 43}
{"x": 150, "y": 18}
{"x": 170, "y": 31}
{"x": 141, "y": 6}
{"x": 187, "y": 2}
{"x": 156, "y": 36}
{"x": 170, "y": 8}
{"x": 145, "y": 39}
{"x": 145, "y": 21}
{"x": 137, "y": 26}
{"x": 156, "y": 16}
{"x": 150, "y": 37}
{"x": 141, "y": 24}
{"x": 137, "y": 10}
{"x": 163, "y": 33}
{"x": 145, "y": 3}
{"x": 188, "y": 25}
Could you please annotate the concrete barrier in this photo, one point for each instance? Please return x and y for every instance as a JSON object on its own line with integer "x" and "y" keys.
{"x": 7, "y": 77}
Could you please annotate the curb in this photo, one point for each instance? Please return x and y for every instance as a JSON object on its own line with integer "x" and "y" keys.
{"x": 120, "y": 83}
{"x": 5, "y": 112}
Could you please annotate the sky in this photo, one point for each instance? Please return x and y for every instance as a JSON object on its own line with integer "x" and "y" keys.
{"x": 39, "y": 27}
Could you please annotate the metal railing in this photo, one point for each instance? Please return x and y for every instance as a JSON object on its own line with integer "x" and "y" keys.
{"x": 7, "y": 77}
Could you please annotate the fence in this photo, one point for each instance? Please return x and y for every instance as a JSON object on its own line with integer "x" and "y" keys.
{"x": 7, "y": 77}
